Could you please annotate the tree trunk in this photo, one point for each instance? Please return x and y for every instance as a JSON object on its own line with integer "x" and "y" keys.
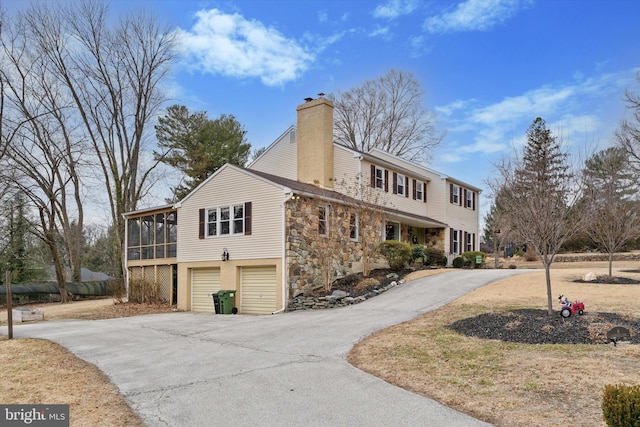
{"x": 547, "y": 273}
{"x": 610, "y": 264}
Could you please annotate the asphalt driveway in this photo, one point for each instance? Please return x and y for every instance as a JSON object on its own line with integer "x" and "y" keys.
{"x": 193, "y": 369}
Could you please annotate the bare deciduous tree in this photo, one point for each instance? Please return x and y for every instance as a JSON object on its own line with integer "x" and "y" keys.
{"x": 628, "y": 134}
{"x": 497, "y": 227}
{"x": 540, "y": 193}
{"x": 386, "y": 113}
{"x": 112, "y": 76}
{"x": 78, "y": 92}
{"x": 368, "y": 203}
{"x": 614, "y": 217}
{"x": 45, "y": 152}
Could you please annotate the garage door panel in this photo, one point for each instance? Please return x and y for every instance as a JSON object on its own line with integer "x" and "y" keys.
{"x": 259, "y": 290}
{"x": 204, "y": 282}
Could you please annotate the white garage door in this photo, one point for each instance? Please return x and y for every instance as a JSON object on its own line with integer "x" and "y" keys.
{"x": 204, "y": 283}
{"x": 259, "y": 290}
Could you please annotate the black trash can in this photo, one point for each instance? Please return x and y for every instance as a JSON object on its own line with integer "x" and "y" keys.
{"x": 216, "y": 303}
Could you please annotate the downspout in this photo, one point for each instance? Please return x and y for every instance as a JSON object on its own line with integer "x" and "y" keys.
{"x": 284, "y": 253}
{"x": 359, "y": 157}
{"x": 125, "y": 251}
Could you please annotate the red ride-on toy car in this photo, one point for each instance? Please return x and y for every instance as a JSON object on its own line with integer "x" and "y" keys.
{"x": 569, "y": 308}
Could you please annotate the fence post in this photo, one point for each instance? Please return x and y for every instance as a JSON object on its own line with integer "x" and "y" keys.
{"x": 9, "y": 303}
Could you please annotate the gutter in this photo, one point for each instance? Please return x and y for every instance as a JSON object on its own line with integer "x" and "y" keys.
{"x": 289, "y": 194}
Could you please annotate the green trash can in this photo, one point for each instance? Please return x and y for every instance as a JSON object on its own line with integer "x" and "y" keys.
{"x": 227, "y": 301}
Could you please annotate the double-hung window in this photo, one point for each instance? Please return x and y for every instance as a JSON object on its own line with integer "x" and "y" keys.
{"x": 455, "y": 194}
{"x": 455, "y": 240}
{"x": 419, "y": 190}
{"x": 469, "y": 199}
{"x": 225, "y": 220}
{"x": 379, "y": 178}
{"x": 401, "y": 186}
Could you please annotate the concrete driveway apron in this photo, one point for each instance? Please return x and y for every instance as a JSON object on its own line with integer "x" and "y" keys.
{"x": 289, "y": 369}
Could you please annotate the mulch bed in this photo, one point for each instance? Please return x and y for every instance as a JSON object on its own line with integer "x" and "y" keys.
{"x": 611, "y": 280}
{"x": 531, "y": 326}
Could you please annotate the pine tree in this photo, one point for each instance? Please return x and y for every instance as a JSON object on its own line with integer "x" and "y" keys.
{"x": 609, "y": 200}
{"x": 540, "y": 196}
{"x": 198, "y": 146}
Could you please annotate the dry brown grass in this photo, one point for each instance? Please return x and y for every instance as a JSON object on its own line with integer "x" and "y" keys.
{"x": 41, "y": 372}
{"x": 503, "y": 383}
{"x": 37, "y": 371}
{"x": 510, "y": 384}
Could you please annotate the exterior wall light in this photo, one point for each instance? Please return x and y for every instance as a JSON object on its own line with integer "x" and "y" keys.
{"x": 225, "y": 255}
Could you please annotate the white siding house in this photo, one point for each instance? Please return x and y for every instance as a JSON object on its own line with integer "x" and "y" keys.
{"x": 246, "y": 230}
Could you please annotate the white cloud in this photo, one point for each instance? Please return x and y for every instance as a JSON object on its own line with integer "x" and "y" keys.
{"x": 456, "y": 105}
{"x": 230, "y": 45}
{"x": 474, "y": 15}
{"x": 395, "y": 8}
{"x": 533, "y": 103}
{"x": 382, "y": 32}
{"x": 574, "y": 113}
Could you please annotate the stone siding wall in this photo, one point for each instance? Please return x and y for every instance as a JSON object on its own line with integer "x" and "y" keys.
{"x": 310, "y": 254}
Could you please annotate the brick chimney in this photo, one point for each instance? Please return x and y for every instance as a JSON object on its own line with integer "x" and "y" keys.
{"x": 315, "y": 142}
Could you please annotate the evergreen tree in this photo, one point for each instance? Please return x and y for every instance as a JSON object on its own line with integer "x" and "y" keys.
{"x": 198, "y": 146}
{"x": 539, "y": 197}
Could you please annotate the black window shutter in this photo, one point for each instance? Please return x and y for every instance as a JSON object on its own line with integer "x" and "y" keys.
{"x": 386, "y": 180}
{"x": 424, "y": 192}
{"x": 451, "y": 240}
{"x": 406, "y": 186}
{"x": 247, "y": 219}
{"x": 474, "y": 201}
{"x": 373, "y": 176}
{"x": 450, "y": 193}
{"x": 201, "y": 224}
{"x": 414, "y": 189}
{"x": 395, "y": 183}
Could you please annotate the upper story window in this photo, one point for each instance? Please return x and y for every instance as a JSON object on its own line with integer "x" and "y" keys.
{"x": 379, "y": 180}
{"x": 468, "y": 199}
{"x": 419, "y": 190}
{"x": 455, "y": 194}
{"x": 225, "y": 220}
{"x": 401, "y": 185}
{"x": 322, "y": 220}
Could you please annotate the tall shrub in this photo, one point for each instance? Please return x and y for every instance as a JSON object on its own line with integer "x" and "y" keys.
{"x": 398, "y": 254}
{"x": 621, "y": 405}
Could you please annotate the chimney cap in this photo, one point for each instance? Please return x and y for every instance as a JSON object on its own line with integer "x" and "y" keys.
{"x": 308, "y": 99}
{"x": 321, "y": 94}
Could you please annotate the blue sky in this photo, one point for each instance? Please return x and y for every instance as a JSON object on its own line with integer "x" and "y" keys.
{"x": 488, "y": 67}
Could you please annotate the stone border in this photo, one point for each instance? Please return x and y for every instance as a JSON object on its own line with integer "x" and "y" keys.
{"x": 336, "y": 299}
